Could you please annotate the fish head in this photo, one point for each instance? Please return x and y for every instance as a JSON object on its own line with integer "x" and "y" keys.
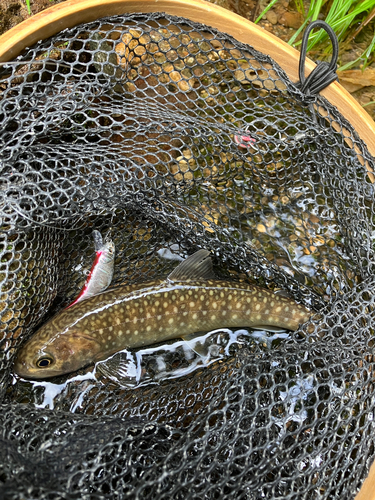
{"x": 59, "y": 354}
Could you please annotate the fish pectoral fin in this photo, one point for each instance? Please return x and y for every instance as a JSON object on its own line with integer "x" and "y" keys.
{"x": 195, "y": 345}
{"x": 268, "y": 328}
{"x": 197, "y": 266}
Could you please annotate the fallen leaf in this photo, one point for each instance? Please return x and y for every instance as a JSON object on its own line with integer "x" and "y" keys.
{"x": 355, "y": 79}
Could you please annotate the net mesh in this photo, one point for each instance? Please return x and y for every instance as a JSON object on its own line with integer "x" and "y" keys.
{"x": 170, "y": 136}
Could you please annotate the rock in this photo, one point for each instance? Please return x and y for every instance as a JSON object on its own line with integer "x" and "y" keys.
{"x": 271, "y": 17}
{"x": 291, "y": 19}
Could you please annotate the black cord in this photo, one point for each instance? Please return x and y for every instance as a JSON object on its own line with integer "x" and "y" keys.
{"x": 324, "y": 73}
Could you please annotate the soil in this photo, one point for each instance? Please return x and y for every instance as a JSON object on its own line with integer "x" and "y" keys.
{"x": 13, "y": 12}
{"x": 282, "y": 20}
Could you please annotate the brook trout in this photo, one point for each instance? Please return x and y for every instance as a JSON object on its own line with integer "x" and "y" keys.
{"x": 189, "y": 300}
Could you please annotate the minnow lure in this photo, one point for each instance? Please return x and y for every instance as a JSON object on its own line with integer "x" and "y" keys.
{"x": 189, "y": 300}
{"x": 101, "y": 273}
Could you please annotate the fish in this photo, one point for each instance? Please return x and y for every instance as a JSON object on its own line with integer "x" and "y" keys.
{"x": 191, "y": 299}
{"x": 101, "y": 273}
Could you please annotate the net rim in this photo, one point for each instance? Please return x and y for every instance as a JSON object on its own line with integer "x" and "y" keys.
{"x": 74, "y": 12}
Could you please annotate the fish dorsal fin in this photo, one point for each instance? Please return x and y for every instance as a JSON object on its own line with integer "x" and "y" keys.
{"x": 196, "y": 267}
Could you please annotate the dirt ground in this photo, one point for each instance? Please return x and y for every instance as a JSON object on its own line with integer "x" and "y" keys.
{"x": 282, "y": 20}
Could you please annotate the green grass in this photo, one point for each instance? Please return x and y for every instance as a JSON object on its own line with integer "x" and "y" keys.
{"x": 28, "y": 6}
{"x": 342, "y": 15}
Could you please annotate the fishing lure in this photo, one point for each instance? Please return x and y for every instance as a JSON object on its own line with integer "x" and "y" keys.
{"x": 101, "y": 273}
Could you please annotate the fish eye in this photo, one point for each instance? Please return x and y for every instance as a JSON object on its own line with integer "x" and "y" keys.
{"x": 44, "y": 362}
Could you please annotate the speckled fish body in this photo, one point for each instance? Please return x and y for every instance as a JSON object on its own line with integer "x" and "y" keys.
{"x": 101, "y": 273}
{"x": 139, "y": 315}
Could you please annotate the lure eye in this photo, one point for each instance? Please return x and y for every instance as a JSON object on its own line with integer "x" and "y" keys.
{"x": 44, "y": 362}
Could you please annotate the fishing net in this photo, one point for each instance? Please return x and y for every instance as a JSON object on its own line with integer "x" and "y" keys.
{"x": 168, "y": 136}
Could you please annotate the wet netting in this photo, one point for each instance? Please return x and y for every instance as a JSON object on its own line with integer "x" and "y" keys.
{"x": 168, "y": 136}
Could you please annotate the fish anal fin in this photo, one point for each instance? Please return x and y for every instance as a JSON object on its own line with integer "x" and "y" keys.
{"x": 197, "y": 266}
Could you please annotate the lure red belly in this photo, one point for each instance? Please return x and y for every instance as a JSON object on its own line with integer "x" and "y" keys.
{"x": 101, "y": 272}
